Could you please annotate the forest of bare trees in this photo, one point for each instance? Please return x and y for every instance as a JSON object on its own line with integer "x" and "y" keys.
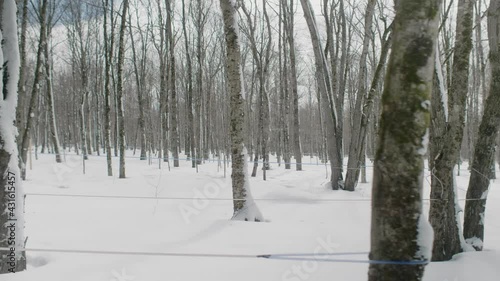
{"x": 344, "y": 83}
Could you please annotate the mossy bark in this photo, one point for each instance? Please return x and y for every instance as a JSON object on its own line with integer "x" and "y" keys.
{"x": 398, "y": 173}
{"x": 237, "y": 115}
{"x": 443, "y": 214}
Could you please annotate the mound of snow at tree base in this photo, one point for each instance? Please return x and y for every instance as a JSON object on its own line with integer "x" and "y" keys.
{"x": 300, "y": 222}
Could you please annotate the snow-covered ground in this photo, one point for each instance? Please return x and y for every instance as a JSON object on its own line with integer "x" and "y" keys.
{"x": 305, "y": 220}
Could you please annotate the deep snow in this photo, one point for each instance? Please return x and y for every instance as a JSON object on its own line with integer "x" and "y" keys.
{"x": 300, "y": 222}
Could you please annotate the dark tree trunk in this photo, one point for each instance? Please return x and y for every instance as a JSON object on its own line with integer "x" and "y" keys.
{"x": 35, "y": 90}
{"x": 108, "y": 49}
{"x": 443, "y": 213}
{"x": 484, "y": 152}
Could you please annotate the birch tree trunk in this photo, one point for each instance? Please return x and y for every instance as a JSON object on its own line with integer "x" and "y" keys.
{"x": 399, "y": 232}
{"x": 444, "y": 211}
{"x": 11, "y": 191}
{"x": 484, "y": 152}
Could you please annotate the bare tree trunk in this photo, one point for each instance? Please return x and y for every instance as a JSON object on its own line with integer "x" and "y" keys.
{"x": 356, "y": 146}
{"x": 443, "y": 209}
{"x": 324, "y": 80}
{"x": 22, "y": 72}
{"x": 140, "y": 73}
{"x": 50, "y": 103}
{"x": 119, "y": 89}
{"x": 83, "y": 131}
{"x": 243, "y": 205}
{"x": 294, "y": 87}
{"x": 173, "y": 89}
{"x": 338, "y": 78}
{"x": 108, "y": 49}
{"x": 399, "y": 231}
{"x": 189, "y": 94}
{"x": 484, "y": 152}
{"x": 35, "y": 89}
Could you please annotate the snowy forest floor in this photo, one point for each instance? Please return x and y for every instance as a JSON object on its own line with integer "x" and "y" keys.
{"x": 308, "y": 218}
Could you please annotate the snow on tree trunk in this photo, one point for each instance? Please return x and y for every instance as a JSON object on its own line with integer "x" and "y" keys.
{"x": 484, "y": 151}
{"x": 12, "y": 255}
{"x": 398, "y": 230}
{"x": 244, "y": 206}
{"x": 443, "y": 215}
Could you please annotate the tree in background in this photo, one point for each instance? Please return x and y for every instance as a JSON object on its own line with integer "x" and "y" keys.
{"x": 119, "y": 89}
{"x": 484, "y": 152}
{"x": 328, "y": 103}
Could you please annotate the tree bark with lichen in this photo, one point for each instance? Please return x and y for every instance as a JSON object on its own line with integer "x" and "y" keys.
{"x": 239, "y": 176}
{"x": 398, "y": 251}
{"x": 444, "y": 212}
